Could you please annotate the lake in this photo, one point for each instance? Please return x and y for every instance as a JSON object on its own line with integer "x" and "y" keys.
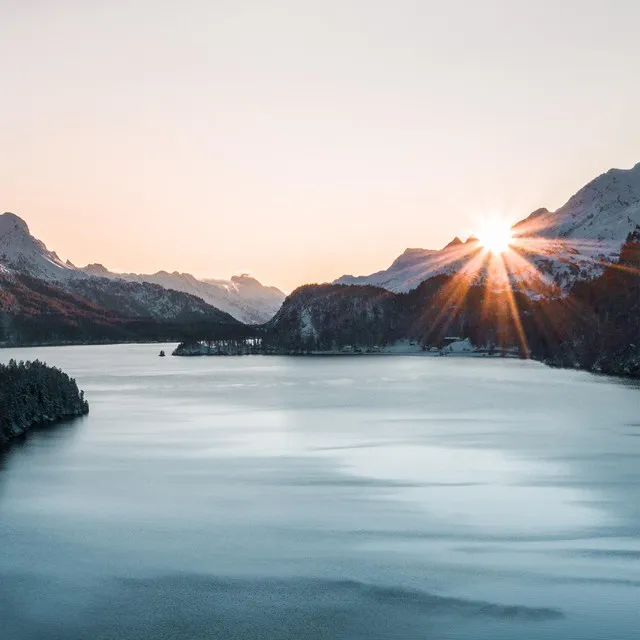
{"x": 353, "y": 497}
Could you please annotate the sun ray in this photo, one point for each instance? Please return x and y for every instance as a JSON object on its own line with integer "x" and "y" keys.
{"x": 515, "y": 313}
{"x": 508, "y": 272}
{"x": 457, "y": 290}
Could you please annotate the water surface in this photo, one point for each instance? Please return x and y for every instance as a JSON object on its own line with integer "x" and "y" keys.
{"x": 346, "y": 497}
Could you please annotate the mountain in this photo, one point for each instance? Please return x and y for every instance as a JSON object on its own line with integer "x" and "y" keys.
{"x": 599, "y": 217}
{"x": 416, "y": 265}
{"x": 570, "y": 244}
{"x": 23, "y": 253}
{"x": 34, "y": 311}
{"x": 160, "y": 295}
{"x": 595, "y": 326}
{"x": 327, "y": 317}
{"x": 330, "y": 317}
{"x": 46, "y": 300}
{"x": 244, "y": 297}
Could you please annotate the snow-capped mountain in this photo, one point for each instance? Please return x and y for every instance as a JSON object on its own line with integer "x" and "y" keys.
{"x": 571, "y": 243}
{"x": 595, "y": 326}
{"x": 243, "y": 297}
{"x": 416, "y": 265}
{"x": 20, "y": 251}
{"x": 599, "y": 217}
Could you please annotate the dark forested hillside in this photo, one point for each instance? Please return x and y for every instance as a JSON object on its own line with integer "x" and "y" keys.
{"x": 330, "y": 317}
{"x": 32, "y": 394}
{"x": 146, "y": 300}
{"x": 598, "y": 326}
{"x": 325, "y": 317}
{"x": 35, "y": 312}
{"x": 595, "y": 327}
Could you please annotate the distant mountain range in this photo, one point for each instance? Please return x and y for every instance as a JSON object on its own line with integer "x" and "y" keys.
{"x": 569, "y": 293}
{"x": 570, "y": 244}
{"x": 46, "y": 300}
{"x": 34, "y": 311}
{"x": 242, "y": 297}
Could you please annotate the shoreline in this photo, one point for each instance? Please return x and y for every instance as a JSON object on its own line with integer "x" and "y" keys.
{"x": 319, "y": 354}
{"x": 97, "y": 343}
{"x": 47, "y": 395}
{"x": 404, "y": 347}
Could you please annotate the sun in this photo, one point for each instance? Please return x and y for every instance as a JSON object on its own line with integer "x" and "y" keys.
{"x": 495, "y": 236}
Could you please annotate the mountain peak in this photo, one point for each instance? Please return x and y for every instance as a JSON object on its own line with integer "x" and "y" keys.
{"x": 454, "y": 243}
{"x": 531, "y": 225}
{"x": 11, "y": 222}
{"x": 96, "y": 269}
{"x": 603, "y": 212}
{"x": 22, "y": 252}
{"x": 594, "y": 223}
{"x": 244, "y": 279}
{"x": 242, "y": 296}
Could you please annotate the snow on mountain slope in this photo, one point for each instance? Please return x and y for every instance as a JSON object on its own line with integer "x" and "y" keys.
{"x": 599, "y": 217}
{"x": 19, "y": 250}
{"x": 145, "y": 299}
{"x": 568, "y": 244}
{"x": 416, "y": 265}
{"x": 243, "y": 297}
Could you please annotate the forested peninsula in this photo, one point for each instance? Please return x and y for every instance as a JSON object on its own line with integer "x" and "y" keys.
{"x": 34, "y": 394}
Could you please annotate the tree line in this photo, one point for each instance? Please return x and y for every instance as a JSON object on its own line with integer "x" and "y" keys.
{"x": 595, "y": 326}
{"x": 33, "y": 393}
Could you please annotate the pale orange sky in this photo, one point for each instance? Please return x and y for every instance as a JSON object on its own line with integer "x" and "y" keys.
{"x": 303, "y": 140}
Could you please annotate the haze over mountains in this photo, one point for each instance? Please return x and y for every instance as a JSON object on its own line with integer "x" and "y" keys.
{"x": 570, "y": 244}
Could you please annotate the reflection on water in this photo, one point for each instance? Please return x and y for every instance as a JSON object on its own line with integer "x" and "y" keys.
{"x": 355, "y": 497}
{"x": 479, "y": 487}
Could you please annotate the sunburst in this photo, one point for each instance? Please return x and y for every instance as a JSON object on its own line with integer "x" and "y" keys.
{"x": 495, "y": 236}
{"x": 506, "y": 259}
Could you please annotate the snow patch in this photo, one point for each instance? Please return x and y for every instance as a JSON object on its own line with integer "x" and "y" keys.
{"x": 459, "y": 346}
{"x": 307, "y": 330}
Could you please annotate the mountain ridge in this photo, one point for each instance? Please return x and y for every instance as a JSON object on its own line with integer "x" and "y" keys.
{"x": 243, "y": 297}
{"x": 595, "y": 327}
{"x": 574, "y": 242}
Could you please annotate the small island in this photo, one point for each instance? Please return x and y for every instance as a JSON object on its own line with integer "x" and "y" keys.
{"x": 34, "y": 394}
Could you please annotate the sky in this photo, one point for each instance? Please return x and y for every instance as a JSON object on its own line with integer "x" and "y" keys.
{"x": 297, "y": 140}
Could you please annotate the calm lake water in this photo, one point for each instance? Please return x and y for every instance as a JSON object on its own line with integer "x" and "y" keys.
{"x": 346, "y": 497}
